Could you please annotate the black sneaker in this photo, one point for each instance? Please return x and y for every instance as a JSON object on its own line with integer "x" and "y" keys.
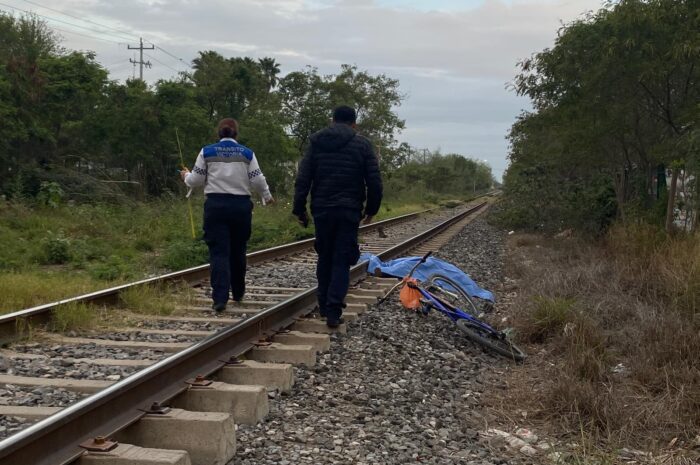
{"x": 334, "y": 322}
{"x": 218, "y": 307}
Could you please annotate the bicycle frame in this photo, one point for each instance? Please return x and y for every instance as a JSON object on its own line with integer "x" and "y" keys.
{"x": 453, "y": 312}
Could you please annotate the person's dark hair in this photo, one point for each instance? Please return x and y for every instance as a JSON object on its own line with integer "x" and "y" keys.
{"x": 228, "y": 127}
{"x": 344, "y": 114}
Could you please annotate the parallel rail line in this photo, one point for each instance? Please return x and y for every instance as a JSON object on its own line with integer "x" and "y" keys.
{"x": 40, "y": 314}
{"x": 56, "y": 439}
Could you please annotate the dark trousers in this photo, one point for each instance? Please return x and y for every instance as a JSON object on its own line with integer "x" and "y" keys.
{"x": 227, "y": 227}
{"x": 337, "y": 248}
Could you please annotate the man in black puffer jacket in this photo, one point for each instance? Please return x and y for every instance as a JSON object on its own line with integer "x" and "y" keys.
{"x": 341, "y": 171}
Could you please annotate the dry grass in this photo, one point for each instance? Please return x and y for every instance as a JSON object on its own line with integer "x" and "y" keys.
{"x": 617, "y": 326}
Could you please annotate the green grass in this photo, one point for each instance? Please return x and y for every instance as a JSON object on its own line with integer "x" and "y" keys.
{"x": 73, "y": 317}
{"x": 52, "y": 253}
{"x": 149, "y": 300}
{"x": 28, "y": 288}
{"x": 548, "y": 317}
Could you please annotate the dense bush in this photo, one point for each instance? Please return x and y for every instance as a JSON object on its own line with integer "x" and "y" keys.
{"x": 181, "y": 254}
{"x": 55, "y": 249}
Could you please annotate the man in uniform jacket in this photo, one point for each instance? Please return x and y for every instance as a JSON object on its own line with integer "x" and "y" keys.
{"x": 341, "y": 171}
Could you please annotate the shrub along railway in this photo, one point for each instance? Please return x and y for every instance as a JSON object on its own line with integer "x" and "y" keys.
{"x": 115, "y": 406}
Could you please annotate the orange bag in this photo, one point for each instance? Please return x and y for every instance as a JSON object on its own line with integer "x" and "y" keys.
{"x": 410, "y": 297}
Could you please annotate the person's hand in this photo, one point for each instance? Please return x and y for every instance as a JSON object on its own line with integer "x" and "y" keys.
{"x": 303, "y": 219}
{"x": 367, "y": 219}
{"x": 270, "y": 201}
{"x": 184, "y": 173}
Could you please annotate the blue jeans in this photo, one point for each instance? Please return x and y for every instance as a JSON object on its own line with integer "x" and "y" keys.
{"x": 337, "y": 249}
{"x": 227, "y": 228}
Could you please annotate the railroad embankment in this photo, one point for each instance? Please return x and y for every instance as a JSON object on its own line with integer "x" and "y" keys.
{"x": 397, "y": 388}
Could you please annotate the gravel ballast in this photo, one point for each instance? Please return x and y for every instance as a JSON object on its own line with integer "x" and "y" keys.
{"x": 88, "y": 351}
{"x": 183, "y": 325}
{"x": 397, "y": 388}
{"x": 145, "y": 337}
{"x": 69, "y": 368}
{"x": 10, "y": 425}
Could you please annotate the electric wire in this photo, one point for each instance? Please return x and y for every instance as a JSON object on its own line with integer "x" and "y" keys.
{"x": 121, "y": 31}
{"x": 168, "y": 53}
{"x": 49, "y": 18}
{"x": 81, "y": 19}
{"x": 86, "y": 35}
{"x": 158, "y": 61}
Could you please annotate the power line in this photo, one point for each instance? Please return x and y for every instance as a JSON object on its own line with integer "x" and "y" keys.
{"x": 119, "y": 66}
{"x": 79, "y": 18}
{"x": 168, "y": 53}
{"x": 158, "y": 61}
{"x": 87, "y": 35}
{"x": 121, "y": 31}
{"x": 140, "y": 62}
{"x": 59, "y": 20}
{"x": 120, "y": 62}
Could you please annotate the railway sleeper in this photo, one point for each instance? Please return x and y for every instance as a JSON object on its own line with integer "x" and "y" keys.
{"x": 169, "y": 347}
{"x": 128, "y": 454}
{"x": 319, "y": 342}
{"x": 315, "y": 325}
{"x": 76, "y": 385}
{"x": 279, "y": 376}
{"x": 284, "y": 353}
{"x": 208, "y": 437}
{"x": 247, "y": 403}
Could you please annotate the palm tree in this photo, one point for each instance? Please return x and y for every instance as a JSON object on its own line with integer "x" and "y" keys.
{"x": 270, "y": 69}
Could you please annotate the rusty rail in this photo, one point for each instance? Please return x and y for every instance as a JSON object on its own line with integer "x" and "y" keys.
{"x": 55, "y": 439}
{"x": 10, "y": 323}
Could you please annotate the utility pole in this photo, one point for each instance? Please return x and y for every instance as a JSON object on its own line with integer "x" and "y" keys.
{"x": 141, "y": 63}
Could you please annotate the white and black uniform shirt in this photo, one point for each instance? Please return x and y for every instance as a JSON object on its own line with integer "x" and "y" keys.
{"x": 228, "y": 167}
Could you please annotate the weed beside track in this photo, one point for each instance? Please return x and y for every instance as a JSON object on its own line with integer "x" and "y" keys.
{"x": 616, "y": 333}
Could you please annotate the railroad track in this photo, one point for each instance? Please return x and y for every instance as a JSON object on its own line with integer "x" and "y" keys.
{"x": 271, "y": 332}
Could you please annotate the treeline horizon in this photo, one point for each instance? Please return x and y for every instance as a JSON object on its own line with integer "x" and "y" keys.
{"x": 69, "y": 131}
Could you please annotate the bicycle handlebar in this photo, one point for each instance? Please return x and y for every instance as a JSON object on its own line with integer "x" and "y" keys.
{"x": 420, "y": 262}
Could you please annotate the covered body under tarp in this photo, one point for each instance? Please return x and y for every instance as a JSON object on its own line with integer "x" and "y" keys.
{"x": 400, "y": 267}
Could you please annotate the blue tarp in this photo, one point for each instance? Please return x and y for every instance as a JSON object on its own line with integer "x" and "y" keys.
{"x": 400, "y": 267}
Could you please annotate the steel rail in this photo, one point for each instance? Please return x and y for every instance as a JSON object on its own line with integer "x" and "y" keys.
{"x": 55, "y": 439}
{"x": 11, "y": 323}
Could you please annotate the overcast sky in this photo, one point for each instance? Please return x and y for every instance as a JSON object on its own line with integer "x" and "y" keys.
{"x": 454, "y": 58}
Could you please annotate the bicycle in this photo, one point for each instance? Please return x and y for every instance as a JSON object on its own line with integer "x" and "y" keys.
{"x": 446, "y": 296}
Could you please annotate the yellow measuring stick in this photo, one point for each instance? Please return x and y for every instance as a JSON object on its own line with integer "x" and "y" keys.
{"x": 189, "y": 203}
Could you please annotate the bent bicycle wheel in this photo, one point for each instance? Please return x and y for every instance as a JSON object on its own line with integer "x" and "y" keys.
{"x": 501, "y": 346}
{"x": 450, "y": 292}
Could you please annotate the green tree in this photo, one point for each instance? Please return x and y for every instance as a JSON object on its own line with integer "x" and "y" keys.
{"x": 305, "y": 105}
{"x": 611, "y": 101}
{"x": 308, "y": 98}
{"x": 270, "y": 69}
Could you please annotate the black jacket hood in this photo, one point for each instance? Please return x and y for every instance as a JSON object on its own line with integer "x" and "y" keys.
{"x": 333, "y": 137}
